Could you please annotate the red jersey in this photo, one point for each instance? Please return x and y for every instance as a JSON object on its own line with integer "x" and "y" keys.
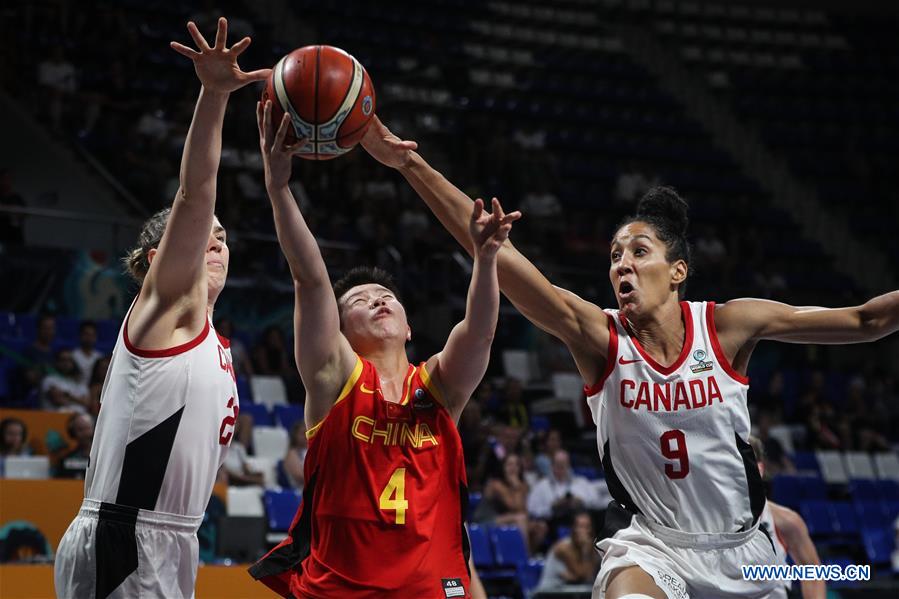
{"x": 384, "y": 502}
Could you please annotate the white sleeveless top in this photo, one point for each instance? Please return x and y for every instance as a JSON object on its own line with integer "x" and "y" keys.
{"x": 165, "y": 424}
{"x": 673, "y": 441}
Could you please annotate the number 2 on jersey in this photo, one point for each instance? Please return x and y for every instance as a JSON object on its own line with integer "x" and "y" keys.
{"x": 675, "y": 451}
{"x": 396, "y": 488}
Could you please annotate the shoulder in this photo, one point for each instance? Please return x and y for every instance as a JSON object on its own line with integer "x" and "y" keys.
{"x": 786, "y": 520}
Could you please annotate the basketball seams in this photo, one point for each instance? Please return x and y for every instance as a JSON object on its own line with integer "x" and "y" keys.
{"x": 318, "y": 54}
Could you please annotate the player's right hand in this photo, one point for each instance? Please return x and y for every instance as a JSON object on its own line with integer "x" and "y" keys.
{"x": 217, "y": 67}
{"x": 488, "y": 230}
{"x": 276, "y": 155}
{"x": 385, "y": 147}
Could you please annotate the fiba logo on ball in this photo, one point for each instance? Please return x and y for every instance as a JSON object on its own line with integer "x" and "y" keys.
{"x": 366, "y": 105}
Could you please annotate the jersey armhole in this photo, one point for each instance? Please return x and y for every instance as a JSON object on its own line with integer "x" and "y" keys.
{"x": 716, "y": 346}
{"x": 431, "y": 385}
{"x": 595, "y": 388}
{"x": 347, "y": 387}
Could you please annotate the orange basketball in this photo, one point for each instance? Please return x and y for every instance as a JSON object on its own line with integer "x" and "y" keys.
{"x": 329, "y": 96}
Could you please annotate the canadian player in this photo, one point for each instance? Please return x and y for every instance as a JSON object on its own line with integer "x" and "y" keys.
{"x": 169, "y": 402}
{"x": 385, "y": 495}
{"x": 666, "y": 383}
{"x": 790, "y": 535}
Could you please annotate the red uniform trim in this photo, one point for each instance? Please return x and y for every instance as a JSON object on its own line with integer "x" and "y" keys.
{"x": 226, "y": 343}
{"x": 590, "y": 390}
{"x": 716, "y": 346}
{"x": 164, "y": 353}
{"x": 685, "y": 350}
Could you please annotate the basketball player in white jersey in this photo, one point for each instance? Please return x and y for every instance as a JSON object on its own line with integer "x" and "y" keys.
{"x": 790, "y": 535}
{"x": 169, "y": 402}
{"x": 666, "y": 383}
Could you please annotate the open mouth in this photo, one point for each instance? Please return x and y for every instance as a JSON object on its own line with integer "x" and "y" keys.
{"x": 625, "y": 288}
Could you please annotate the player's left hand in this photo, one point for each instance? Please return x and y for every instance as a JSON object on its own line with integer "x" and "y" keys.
{"x": 217, "y": 66}
{"x": 385, "y": 147}
{"x": 276, "y": 155}
{"x": 488, "y": 230}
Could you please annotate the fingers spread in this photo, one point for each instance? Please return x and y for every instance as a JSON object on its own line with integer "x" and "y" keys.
{"x": 197, "y": 37}
{"x": 184, "y": 50}
{"x": 238, "y": 48}
{"x": 221, "y": 34}
{"x": 478, "y": 209}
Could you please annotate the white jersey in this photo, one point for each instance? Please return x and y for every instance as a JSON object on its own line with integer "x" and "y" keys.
{"x": 673, "y": 441}
{"x": 165, "y": 424}
{"x": 766, "y": 523}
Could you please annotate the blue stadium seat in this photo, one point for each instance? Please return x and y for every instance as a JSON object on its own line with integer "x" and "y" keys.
{"x": 846, "y": 520}
{"x": 67, "y": 328}
{"x": 588, "y": 472}
{"x": 281, "y": 476}
{"x": 878, "y": 544}
{"x": 509, "y": 546}
{"x": 244, "y": 392}
{"x": 529, "y": 574}
{"x": 806, "y": 461}
{"x": 280, "y": 507}
{"x": 287, "y": 415}
{"x": 864, "y": 490}
{"x": 260, "y": 413}
{"x": 872, "y": 514}
{"x": 791, "y": 491}
{"x": 108, "y": 330}
{"x": 539, "y": 423}
{"x": 888, "y": 489}
{"x": 818, "y": 517}
{"x": 481, "y": 552}
{"x": 474, "y": 499}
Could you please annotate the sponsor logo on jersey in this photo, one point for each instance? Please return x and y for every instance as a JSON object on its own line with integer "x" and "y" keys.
{"x": 701, "y": 364}
{"x": 624, "y": 362}
{"x": 453, "y": 587}
{"x": 670, "y": 396}
{"x": 393, "y": 433}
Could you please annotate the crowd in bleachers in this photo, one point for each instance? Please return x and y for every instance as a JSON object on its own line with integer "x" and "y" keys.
{"x": 544, "y": 109}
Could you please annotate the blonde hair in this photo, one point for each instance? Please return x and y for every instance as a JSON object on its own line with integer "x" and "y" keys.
{"x": 136, "y": 261}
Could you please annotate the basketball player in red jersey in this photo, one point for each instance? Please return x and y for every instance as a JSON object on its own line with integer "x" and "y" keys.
{"x": 170, "y": 401}
{"x": 383, "y": 506}
{"x": 688, "y": 500}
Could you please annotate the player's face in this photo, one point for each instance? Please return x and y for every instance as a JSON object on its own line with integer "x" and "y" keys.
{"x": 582, "y": 529}
{"x": 641, "y": 275}
{"x": 217, "y": 258}
{"x": 371, "y": 313}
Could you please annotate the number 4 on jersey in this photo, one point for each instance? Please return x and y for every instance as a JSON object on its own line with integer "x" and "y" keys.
{"x": 393, "y": 497}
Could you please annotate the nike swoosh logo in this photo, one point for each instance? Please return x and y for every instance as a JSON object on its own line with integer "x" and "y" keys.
{"x": 364, "y": 390}
{"x": 624, "y": 362}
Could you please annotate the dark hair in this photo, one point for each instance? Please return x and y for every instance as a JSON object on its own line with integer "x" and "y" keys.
{"x": 665, "y": 211}
{"x": 362, "y": 275}
{"x": 87, "y": 324}
{"x": 5, "y": 424}
{"x": 136, "y": 261}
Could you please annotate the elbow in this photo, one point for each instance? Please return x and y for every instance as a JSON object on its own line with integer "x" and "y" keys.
{"x": 873, "y": 326}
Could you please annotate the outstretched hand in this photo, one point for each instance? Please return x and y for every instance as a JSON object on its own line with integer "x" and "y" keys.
{"x": 385, "y": 147}
{"x": 276, "y": 155}
{"x": 217, "y": 66}
{"x": 488, "y": 230}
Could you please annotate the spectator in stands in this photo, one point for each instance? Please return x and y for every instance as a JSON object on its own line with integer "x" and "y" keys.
{"x": 240, "y": 357}
{"x": 86, "y": 354}
{"x": 95, "y": 384}
{"x": 56, "y": 76}
{"x": 270, "y": 358}
{"x": 475, "y": 445}
{"x": 39, "y": 355}
{"x": 552, "y": 443}
{"x": 13, "y": 438}
{"x": 63, "y": 390}
{"x": 236, "y": 463}
{"x": 296, "y": 455}
{"x": 776, "y": 459}
{"x": 559, "y": 495}
{"x": 505, "y": 502}
{"x": 632, "y": 183}
{"x": 862, "y": 420}
{"x": 512, "y": 410}
{"x": 74, "y": 462}
{"x": 572, "y": 560}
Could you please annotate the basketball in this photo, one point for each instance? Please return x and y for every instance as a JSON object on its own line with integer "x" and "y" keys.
{"x": 329, "y": 96}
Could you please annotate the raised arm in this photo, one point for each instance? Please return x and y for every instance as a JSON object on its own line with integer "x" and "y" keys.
{"x": 743, "y": 322}
{"x": 581, "y": 325}
{"x": 460, "y": 366}
{"x": 177, "y": 275}
{"x": 323, "y": 355}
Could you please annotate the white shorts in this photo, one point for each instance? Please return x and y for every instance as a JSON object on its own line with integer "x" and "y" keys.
{"x": 122, "y": 552}
{"x": 688, "y": 565}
